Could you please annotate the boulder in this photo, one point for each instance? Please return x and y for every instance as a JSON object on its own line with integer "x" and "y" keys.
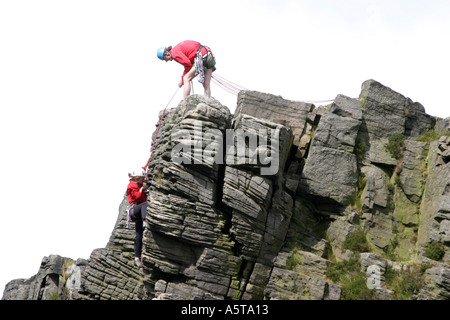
{"x": 330, "y": 174}
{"x": 276, "y": 109}
{"x": 336, "y": 132}
{"x": 347, "y": 107}
{"x": 384, "y": 116}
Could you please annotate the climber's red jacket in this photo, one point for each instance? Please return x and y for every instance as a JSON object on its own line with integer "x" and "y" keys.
{"x": 133, "y": 194}
{"x": 185, "y": 53}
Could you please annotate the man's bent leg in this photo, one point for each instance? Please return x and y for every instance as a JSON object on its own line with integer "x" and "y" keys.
{"x": 187, "y": 82}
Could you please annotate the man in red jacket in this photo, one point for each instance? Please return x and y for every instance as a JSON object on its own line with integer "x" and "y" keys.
{"x": 196, "y": 59}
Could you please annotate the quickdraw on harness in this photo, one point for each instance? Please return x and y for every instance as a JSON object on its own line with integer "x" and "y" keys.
{"x": 199, "y": 62}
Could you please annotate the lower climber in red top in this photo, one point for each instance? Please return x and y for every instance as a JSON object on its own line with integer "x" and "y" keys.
{"x": 138, "y": 208}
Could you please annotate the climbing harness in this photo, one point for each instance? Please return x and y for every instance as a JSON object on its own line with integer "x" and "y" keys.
{"x": 200, "y": 59}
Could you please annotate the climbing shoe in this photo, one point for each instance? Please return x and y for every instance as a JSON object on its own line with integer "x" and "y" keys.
{"x": 137, "y": 263}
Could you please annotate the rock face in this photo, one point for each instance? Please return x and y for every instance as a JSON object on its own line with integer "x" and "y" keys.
{"x": 269, "y": 202}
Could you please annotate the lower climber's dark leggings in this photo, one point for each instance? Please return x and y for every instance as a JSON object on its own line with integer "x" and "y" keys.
{"x": 140, "y": 211}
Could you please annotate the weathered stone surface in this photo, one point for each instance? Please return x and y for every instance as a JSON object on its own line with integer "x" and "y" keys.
{"x": 195, "y": 222}
{"x": 442, "y": 125}
{"x": 249, "y": 196}
{"x": 306, "y": 230}
{"x": 258, "y": 144}
{"x": 344, "y": 106}
{"x": 435, "y": 204}
{"x": 376, "y": 191}
{"x": 384, "y": 115}
{"x": 379, "y": 226}
{"x": 181, "y": 291}
{"x": 47, "y": 284}
{"x": 380, "y": 197}
{"x": 330, "y": 174}
{"x": 339, "y": 230}
{"x": 290, "y": 285}
{"x": 110, "y": 275}
{"x": 336, "y": 132}
{"x": 303, "y": 262}
{"x": 437, "y": 284}
{"x": 277, "y": 224}
{"x": 400, "y": 194}
{"x": 258, "y": 280}
{"x": 411, "y": 176}
{"x": 417, "y": 121}
{"x": 444, "y": 150}
{"x": 276, "y": 109}
{"x": 331, "y": 168}
{"x": 382, "y": 106}
{"x": 406, "y": 222}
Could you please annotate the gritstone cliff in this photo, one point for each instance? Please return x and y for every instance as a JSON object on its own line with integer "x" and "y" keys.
{"x": 355, "y": 206}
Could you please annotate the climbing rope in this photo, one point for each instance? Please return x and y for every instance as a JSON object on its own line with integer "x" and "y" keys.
{"x": 235, "y": 88}
{"x": 147, "y": 165}
{"x": 226, "y": 84}
{"x": 313, "y": 101}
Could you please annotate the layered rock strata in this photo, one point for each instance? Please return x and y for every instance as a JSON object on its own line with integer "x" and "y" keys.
{"x": 263, "y": 203}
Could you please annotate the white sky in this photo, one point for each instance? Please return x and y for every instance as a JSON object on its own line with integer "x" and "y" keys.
{"x": 81, "y": 89}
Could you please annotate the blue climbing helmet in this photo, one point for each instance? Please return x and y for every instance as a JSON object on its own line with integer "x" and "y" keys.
{"x": 160, "y": 53}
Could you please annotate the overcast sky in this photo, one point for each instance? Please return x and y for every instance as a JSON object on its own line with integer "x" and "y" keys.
{"x": 81, "y": 89}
